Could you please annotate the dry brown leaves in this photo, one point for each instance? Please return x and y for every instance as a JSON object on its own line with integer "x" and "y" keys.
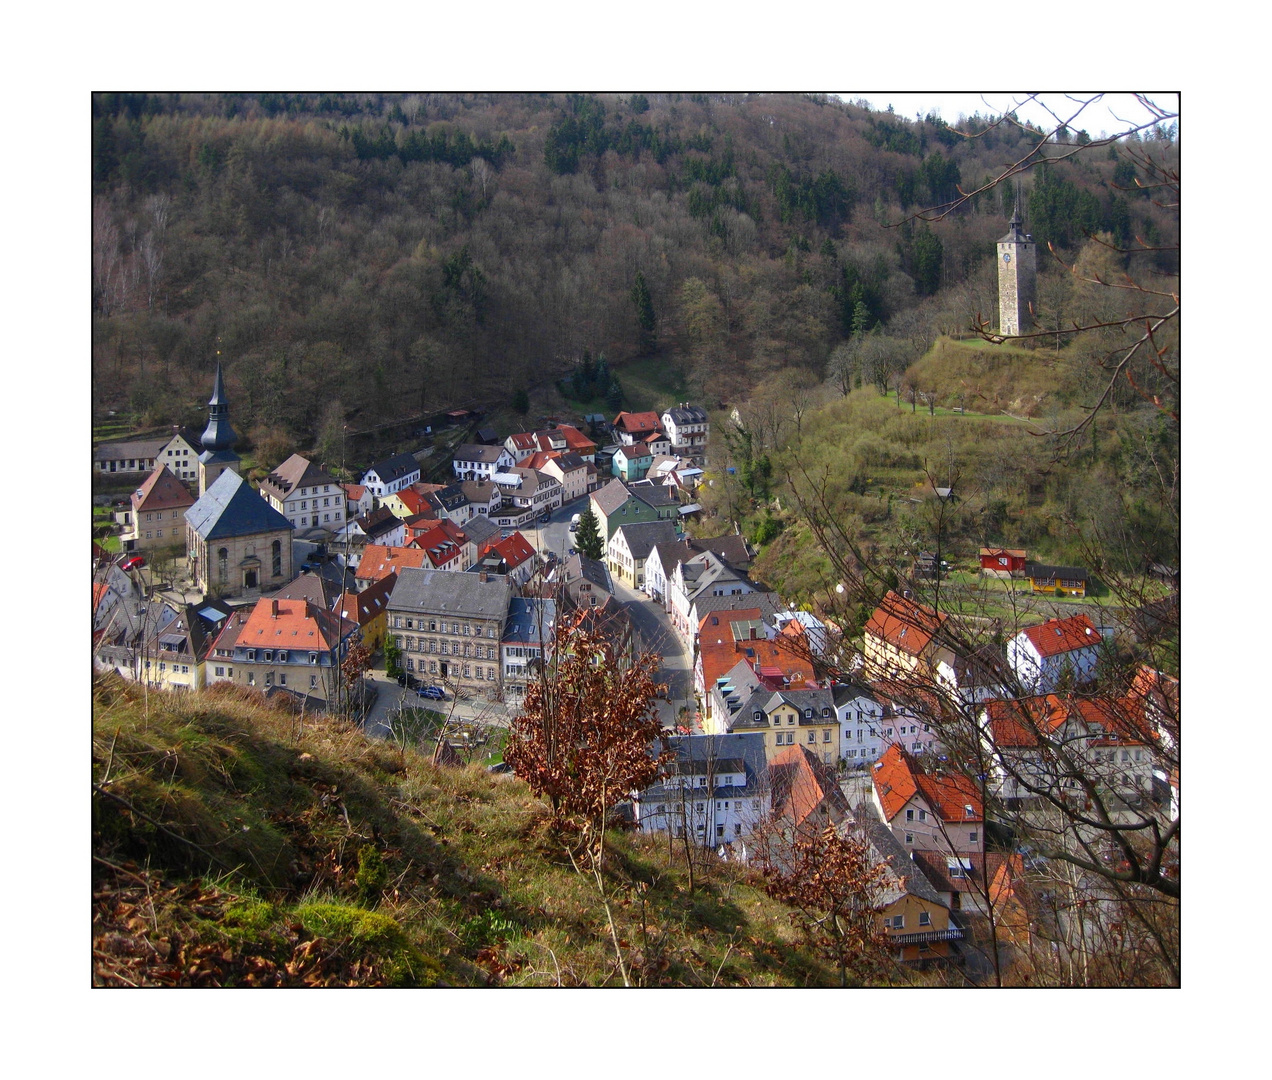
{"x": 146, "y": 935}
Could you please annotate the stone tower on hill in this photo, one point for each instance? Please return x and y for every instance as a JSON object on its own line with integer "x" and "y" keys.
{"x": 1017, "y": 271}
{"x": 218, "y": 438}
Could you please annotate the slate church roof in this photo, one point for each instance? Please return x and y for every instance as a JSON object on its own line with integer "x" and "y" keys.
{"x": 231, "y": 508}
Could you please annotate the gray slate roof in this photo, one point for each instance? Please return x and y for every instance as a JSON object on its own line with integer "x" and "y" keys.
{"x": 444, "y": 592}
{"x": 394, "y": 468}
{"x": 487, "y": 455}
{"x": 231, "y": 508}
{"x": 656, "y": 495}
{"x": 768, "y": 603}
{"x": 641, "y": 536}
{"x": 480, "y": 529}
{"x": 611, "y": 496}
{"x": 688, "y": 414}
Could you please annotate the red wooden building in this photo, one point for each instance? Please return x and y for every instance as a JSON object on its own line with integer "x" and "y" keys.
{"x": 1002, "y": 562}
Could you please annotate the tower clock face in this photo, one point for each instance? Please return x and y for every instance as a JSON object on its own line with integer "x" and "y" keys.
{"x": 1007, "y": 256}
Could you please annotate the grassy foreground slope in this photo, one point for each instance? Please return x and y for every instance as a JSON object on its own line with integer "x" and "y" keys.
{"x": 235, "y": 846}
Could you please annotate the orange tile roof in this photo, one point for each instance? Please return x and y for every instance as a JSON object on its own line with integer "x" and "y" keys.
{"x": 894, "y": 781}
{"x": 576, "y": 440}
{"x": 378, "y": 560}
{"x": 1057, "y": 636}
{"x": 1018, "y": 722}
{"x": 720, "y": 655}
{"x": 293, "y": 624}
{"x": 898, "y": 778}
{"x": 904, "y": 624}
{"x": 539, "y": 459}
{"x": 100, "y": 589}
{"x": 726, "y": 616}
{"x": 637, "y": 423}
{"x": 801, "y": 784}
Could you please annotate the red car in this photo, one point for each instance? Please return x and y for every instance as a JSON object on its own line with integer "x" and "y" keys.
{"x": 133, "y": 562}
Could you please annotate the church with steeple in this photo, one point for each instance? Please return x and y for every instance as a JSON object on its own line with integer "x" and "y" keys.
{"x": 236, "y": 543}
{"x": 218, "y": 438}
{"x": 1017, "y": 272}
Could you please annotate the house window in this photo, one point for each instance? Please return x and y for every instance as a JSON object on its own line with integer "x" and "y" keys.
{"x": 923, "y": 815}
{"x": 812, "y": 736}
{"x": 909, "y": 838}
{"x": 973, "y": 836}
{"x": 313, "y": 681}
{"x": 898, "y": 922}
{"x": 826, "y": 735}
{"x": 925, "y": 918}
{"x": 223, "y": 564}
{"x": 276, "y": 558}
{"x": 251, "y": 678}
{"x": 909, "y": 815}
{"x": 220, "y": 671}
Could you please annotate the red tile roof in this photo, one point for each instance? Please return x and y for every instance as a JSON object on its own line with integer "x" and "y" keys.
{"x": 1057, "y": 636}
{"x": 514, "y": 550}
{"x": 904, "y": 624}
{"x": 161, "y": 491}
{"x": 1019, "y": 553}
{"x": 443, "y": 543}
{"x": 364, "y": 607}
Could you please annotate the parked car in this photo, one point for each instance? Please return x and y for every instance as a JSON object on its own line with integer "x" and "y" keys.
{"x": 133, "y": 562}
{"x": 545, "y": 518}
{"x": 408, "y": 680}
{"x": 434, "y": 692}
{"x": 574, "y": 551}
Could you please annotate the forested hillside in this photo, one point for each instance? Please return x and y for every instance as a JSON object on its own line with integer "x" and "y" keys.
{"x": 359, "y": 258}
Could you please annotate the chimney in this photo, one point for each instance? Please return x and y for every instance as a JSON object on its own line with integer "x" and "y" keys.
{"x": 273, "y": 608}
{"x": 482, "y": 576}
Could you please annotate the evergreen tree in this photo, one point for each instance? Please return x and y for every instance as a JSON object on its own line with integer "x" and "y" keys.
{"x": 614, "y": 395}
{"x": 645, "y": 317}
{"x": 588, "y": 537}
{"x": 521, "y": 401}
{"x": 928, "y": 253}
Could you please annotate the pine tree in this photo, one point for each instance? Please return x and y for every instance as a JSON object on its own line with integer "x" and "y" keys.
{"x": 645, "y": 317}
{"x": 588, "y": 537}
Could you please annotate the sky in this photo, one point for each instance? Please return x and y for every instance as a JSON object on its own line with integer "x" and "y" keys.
{"x": 1112, "y": 113}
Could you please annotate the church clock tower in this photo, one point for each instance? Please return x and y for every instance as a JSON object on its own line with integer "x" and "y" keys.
{"x": 218, "y": 438}
{"x": 1017, "y": 270}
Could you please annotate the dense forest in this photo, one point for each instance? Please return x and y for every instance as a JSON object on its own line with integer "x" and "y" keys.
{"x": 367, "y": 256}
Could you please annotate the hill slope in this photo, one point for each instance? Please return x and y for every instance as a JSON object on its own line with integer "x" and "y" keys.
{"x": 234, "y": 845}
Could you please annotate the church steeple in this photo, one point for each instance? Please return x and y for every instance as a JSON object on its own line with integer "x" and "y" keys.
{"x": 218, "y": 437}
